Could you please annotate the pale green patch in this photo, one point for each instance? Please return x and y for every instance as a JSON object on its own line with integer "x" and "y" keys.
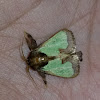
{"x": 55, "y": 67}
{"x": 51, "y": 47}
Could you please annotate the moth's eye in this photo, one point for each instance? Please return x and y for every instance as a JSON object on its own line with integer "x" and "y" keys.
{"x": 42, "y": 59}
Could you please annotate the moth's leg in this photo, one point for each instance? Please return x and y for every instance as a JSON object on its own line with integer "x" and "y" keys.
{"x": 28, "y": 73}
{"x": 42, "y": 74}
{"x": 30, "y": 41}
{"x": 23, "y": 57}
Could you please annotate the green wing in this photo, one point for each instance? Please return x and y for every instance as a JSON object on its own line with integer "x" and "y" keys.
{"x": 61, "y": 45}
{"x": 62, "y": 40}
{"x": 55, "y": 67}
{"x": 68, "y": 69}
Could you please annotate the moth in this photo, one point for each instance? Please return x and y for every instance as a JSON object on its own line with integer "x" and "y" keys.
{"x": 56, "y": 56}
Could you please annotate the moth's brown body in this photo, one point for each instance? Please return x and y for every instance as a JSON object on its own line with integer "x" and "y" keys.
{"x": 37, "y": 60}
